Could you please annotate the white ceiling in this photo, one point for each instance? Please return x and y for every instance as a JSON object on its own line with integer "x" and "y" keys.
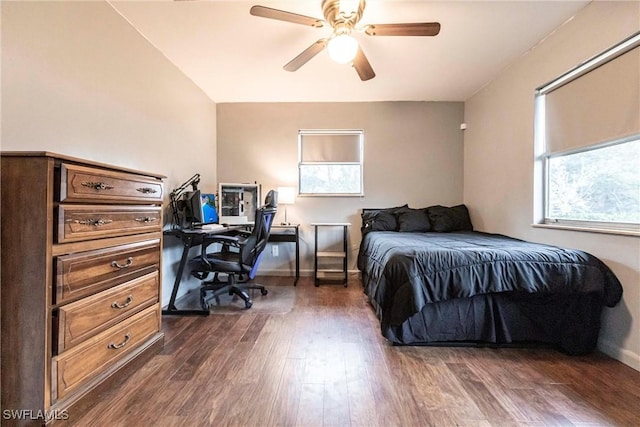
{"x": 236, "y": 57}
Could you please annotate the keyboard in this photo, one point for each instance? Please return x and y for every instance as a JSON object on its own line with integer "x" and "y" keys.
{"x": 211, "y": 227}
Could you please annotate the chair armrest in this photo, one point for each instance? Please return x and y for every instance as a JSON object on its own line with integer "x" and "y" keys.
{"x": 219, "y": 238}
{"x": 223, "y": 239}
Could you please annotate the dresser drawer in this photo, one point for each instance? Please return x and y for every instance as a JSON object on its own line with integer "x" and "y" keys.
{"x": 87, "y": 184}
{"x": 84, "y": 318}
{"x": 85, "y": 222}
{"x": 84, "y": 273}
{"x": 75, "y": 367}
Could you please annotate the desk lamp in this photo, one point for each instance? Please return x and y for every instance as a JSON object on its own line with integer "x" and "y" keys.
{"x": 286, "y": 196}
{"x": 174, "y": 198}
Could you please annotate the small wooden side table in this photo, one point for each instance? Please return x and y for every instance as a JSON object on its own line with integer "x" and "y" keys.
{"x": 328, "y": 274}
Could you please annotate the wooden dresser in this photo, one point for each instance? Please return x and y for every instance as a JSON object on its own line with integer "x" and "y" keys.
{"x": 80, "y": 281}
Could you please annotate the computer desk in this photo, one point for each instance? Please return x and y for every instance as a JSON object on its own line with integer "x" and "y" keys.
{"x": 288, "y": 233}
{"x": 190, "y": 238}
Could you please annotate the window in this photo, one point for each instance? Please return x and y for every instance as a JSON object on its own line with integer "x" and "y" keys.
{"x": 330, "y": 162}
{"x": 588, "y": 143}
{"x": 600, "y": 184}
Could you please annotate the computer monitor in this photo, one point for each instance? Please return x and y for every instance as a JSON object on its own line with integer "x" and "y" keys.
{"x": 193, "y": 208}
{"x": 209, "y": 212}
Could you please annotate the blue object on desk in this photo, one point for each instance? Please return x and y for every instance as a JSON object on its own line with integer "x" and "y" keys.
{"x": 209, "y": 212}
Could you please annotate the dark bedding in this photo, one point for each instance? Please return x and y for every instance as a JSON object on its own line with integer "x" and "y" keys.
{"x": 473, "y": 286}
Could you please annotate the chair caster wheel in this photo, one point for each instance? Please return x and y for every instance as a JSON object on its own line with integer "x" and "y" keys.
{"x": 248, "y": 304}
{"x": 203, "y": 301}
{"x": 264, "y": 291}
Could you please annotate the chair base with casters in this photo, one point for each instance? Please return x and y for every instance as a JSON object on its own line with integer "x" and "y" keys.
{"x": 231, "y": 286}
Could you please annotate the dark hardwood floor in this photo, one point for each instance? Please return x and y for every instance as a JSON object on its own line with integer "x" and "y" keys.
{"x": 318, "y": 359}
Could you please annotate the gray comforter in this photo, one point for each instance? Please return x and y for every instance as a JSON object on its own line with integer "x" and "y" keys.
{"x": 403, "y": 272}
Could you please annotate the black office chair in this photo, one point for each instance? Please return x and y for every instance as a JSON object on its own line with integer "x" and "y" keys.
{"x": 238, "y": 257}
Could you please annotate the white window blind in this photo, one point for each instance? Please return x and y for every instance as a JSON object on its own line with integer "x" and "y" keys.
{"x": 320, "y": 147}
{"x": 602, "y": 105}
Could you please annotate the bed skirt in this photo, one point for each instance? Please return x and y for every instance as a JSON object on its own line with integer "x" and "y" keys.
{"x": 570, "y": 323}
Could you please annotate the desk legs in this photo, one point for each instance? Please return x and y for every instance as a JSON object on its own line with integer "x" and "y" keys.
{"x": 171, "y": 308}
{"x": 295, "y": 282}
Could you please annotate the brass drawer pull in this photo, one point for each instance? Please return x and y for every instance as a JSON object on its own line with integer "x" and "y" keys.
{"x": 97, "y": 185}
{"x": 146, "y": 219}
{"x": 127, "y": 337}
{"x": 94, "y": 222}
{"x": 128, "y": 301}
{"x": 147, "y": 190}
{"x": 115, "y": 264}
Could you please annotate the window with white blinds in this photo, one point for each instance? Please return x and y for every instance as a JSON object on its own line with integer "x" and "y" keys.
{"x": 330, "y": 162}
{"x": 588, "y": 142}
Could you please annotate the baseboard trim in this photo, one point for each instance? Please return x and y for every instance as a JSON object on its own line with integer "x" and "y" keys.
{"x": 625, "y": 356}
{"x": 288, "y": 273}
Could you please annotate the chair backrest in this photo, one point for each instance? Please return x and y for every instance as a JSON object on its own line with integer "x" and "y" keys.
{"x": 271, "y": 199}
{"x": 259, "y": 237}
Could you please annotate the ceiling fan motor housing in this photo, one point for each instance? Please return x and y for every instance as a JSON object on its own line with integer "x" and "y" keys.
{"x": 341, "y": 19}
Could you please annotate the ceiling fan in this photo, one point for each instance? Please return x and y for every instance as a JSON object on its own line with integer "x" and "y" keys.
{"x": 343, "y": 17}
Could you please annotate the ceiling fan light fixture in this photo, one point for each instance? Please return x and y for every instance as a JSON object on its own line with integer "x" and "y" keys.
{"x": 342, "y": 48}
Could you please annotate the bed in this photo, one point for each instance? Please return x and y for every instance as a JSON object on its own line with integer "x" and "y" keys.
{"x": 431, "y": 279}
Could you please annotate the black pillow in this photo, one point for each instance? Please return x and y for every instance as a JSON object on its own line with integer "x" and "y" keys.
{"x": 445, "y": 219}
{"x": 415, "y": 220}
{"x": 380, "y": 219}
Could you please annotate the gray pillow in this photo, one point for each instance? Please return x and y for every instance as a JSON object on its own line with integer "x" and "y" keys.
{"x": 380, "y": 219}
{"x": 445, "y": 219}
{"x": 413, "y": 220}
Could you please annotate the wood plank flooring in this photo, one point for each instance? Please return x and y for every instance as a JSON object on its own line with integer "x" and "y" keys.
{"x": 324, "y": 363}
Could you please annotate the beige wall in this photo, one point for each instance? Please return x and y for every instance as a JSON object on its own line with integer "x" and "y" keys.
{"x": 77, "y": 79}
{"x": 412, "y": 154}
{"x": 499, "y": 159}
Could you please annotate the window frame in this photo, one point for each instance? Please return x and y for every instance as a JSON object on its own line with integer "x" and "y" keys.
{"x": 542, "y": 156}
{"x": 575, "y": 223}
{"x": 328, "y": 132}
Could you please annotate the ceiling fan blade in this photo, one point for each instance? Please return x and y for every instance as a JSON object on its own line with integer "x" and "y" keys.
{"x": 362, "y": 66}
{"x": 281, "y": 15}
{"x": 408, "y": 29}
{"x": 306, "y": 55}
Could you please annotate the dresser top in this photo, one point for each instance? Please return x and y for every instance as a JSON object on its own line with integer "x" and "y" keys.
{"x": 66, "y": 158}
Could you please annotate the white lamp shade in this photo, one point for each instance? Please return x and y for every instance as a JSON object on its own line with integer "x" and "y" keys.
{"x": 342, "y": 48}
{"x": 286, "y": 195}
